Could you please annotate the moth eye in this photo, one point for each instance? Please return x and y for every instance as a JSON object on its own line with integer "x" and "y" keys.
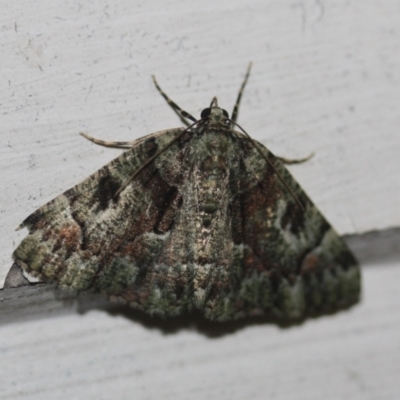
{"x": 225, "y": 113}
{"x": 205, "y": 113}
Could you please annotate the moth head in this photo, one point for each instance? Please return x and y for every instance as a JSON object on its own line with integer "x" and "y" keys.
{"x": 215, "y": 115}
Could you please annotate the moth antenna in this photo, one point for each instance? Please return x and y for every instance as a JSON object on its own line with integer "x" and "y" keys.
{"x": 152, "y": 158}
{"x": 254, "y": 143}
{"x": 182, "y": 114}
{"x": 235, "y": 111}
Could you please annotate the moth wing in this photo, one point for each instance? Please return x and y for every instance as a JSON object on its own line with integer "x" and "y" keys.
{"x": 294, "y": 262}
{"x": 289, "y": 261}
{"x": 88, "y": 239}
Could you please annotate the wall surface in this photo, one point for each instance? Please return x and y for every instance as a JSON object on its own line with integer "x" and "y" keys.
{"x": 325, "y": 79}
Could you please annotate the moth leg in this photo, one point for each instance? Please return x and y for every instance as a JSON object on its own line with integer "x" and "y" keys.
{"x": 295, "y": 161}
{"x": 116, "y": 145}
{"x": 235, "y": 111}
{"x": 182, "y": 114}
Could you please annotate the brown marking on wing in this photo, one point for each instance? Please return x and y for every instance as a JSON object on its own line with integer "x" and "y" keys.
{"x": 70, "y": 235}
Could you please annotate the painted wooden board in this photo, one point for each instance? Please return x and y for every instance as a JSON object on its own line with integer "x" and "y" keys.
{"x": 326, "y": 78}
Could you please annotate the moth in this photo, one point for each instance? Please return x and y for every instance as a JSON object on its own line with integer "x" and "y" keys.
{"x": 201, "y": 217}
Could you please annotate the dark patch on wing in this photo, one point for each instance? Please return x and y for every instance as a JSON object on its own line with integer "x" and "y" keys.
{"x": 294, "y": 216}
{"x": 34, "y": 221}
{"x": 167, "y": 209}
{"x": 106, "y": 190}
{"x": 151, "y": 147}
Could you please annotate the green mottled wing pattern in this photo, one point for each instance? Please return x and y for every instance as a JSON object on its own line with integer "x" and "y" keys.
{"x": 292, "y": 262}
{"x": 208, "y": 225}
{"x": 76, "y": 238}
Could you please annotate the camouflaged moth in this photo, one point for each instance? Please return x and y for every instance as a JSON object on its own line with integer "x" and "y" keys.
{"x": 195, "y": 218}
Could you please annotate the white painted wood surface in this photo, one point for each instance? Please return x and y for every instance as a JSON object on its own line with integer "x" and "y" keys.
{"x": 326, "y": 78}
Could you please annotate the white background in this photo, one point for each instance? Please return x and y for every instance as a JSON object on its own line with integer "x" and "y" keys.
{"x": 326, "y": 78}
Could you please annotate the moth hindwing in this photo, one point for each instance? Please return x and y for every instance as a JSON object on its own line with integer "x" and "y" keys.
{"x": 199, "y": 217}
